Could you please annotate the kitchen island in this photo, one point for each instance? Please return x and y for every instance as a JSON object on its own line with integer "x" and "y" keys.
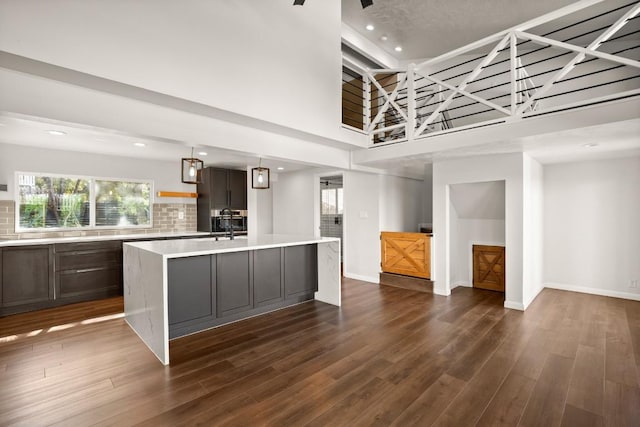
{"x": 178, "y": 287}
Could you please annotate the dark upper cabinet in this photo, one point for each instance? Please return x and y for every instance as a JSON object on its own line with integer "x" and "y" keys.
{"x": 26, "y": 276}
{"x": 220, "y": 188}
{"x": 237, "y": 190}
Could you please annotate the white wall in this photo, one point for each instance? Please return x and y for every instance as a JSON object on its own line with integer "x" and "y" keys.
{"x": 361, "y": 226}
{"x": 400, "y": 203}
{"x": 294, "y": 203}
{"x": 533, "y": 232}
{"x": 250, "y": 57}
{"x": 592, "y": 226}
{"x": 477, "y": 216}
{"x": 507, "y": 167}
{"x": 296, "y": 200}
{"x": 260, "y": 207}
{"x": 427, "y": 195}
{"x": 472, "y": 232}
{"x": 165, "y": 175}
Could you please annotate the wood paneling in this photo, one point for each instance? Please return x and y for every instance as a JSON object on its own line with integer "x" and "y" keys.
{"x": 353, "y": 102}
{"x": 406, "y": 253}
{"x": 388, "y": 356}
{"x": 488, "y": 267}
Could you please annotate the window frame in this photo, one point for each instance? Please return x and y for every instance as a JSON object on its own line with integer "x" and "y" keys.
{"x": 92, "y": 203}
{"x": 334, "y": 191}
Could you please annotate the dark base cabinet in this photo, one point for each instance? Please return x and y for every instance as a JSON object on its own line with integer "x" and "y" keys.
{"x": 190, "y": 296}
{"x": 234, "y": 290}
{"x": 208, "y": 291}
{"x": 26, "y": 278}
{"x": 43, "y": 276}
{"x": 300, "y": 270}
{"x": 88, "y": 270}
{"x": 268, "y": 280}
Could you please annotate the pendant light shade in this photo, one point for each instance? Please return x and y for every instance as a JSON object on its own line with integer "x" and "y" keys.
{"x": 260, "y": 179}
{"x": 191, "y": 168}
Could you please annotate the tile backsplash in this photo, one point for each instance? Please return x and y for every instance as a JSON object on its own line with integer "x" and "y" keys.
{"x": 166, "y": 219}
{"x": 331, "y": 226}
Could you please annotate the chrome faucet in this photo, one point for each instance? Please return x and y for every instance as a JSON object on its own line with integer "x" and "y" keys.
{"x": 228, "y": 213}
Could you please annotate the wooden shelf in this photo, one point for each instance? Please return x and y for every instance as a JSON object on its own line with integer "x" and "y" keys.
{"x": 177, "y": 194}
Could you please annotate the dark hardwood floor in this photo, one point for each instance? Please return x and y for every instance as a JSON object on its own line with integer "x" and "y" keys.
{"x": 389, "y": 356}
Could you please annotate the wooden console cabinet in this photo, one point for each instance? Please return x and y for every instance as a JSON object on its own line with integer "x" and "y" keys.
{"x": 408, "y": 254}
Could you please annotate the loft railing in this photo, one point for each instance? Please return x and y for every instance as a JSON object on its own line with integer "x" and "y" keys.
{"x": 579, "y": 55}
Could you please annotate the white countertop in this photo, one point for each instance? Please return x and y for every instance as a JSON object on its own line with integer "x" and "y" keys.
{"x": 139, "y": 236}
{"x": 204, "y": 246}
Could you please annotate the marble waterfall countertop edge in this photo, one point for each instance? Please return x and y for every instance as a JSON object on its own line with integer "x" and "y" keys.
{"x": 76, "y": 239}
{"x": 203, "y": 246}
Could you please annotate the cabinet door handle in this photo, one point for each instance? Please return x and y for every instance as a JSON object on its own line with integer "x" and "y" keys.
{"x": 87, "y": 270}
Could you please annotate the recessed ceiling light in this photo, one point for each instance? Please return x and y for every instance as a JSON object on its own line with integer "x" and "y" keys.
{"x": 280, "y": 168}
{"x": 139, "y": 144}
{"x": 384, "y": 38}
{"x": 590, "y": 145}
{"x": 56, "y": 132}
{"x": 370, "y": 27}
{"x": 398, "y": 49}
{"x": 202, "y": 153}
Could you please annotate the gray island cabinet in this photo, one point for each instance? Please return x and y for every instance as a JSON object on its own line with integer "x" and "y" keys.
{"x": 172, "y": 289}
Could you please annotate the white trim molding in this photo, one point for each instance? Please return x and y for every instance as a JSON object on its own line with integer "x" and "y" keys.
{"x": 593, "y": 291}
{"x": 363, "y": 278}
{"x": 514, "y": 305}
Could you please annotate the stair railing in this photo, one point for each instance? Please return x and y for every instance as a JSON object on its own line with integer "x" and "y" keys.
{"x": 528, "y": 70}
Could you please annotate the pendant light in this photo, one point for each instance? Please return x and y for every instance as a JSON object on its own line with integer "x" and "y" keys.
{"x": 191, "y": 169}
{"x": 260, "y": 177}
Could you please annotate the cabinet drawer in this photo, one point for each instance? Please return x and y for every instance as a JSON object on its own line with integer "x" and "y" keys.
{"x": 88, "y": 259}
{"x": 89, "y": 281}
{"x": 88, "y": 246}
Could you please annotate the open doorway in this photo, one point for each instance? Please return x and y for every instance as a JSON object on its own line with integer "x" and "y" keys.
{"x": 332, "y": 209}
{"x": 477, "y": 235}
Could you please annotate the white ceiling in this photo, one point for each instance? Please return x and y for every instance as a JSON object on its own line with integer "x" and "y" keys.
{"x": 479, "y": 19}
{"x": 31, "y": 131}
{"x": 611, "y": 140}
{"x": 428, "y": 28}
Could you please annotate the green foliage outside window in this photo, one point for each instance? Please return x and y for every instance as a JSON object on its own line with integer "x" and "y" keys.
{"x": 122, "y": 203}
{"x": 46, "y": 202}
{"x": 54, "y": 202}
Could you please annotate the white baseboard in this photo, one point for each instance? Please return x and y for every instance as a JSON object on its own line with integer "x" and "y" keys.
{"x": 513, "y": 305}
{"x": 538, "y": 290}
{"x": 438, "y": 290}
{"x": 370, "y": 279}
{"x": 461, "y": 283}
{"x": 593, "y": 291}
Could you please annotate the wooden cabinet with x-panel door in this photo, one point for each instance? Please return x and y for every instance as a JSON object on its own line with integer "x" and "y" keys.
{"x": 488, "y": 267}
{"x": 408, "y": 254}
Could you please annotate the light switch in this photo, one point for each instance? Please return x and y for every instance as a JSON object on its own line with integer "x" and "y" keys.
{"x": 180, "y": 214}
{"x": 364, "y": 214}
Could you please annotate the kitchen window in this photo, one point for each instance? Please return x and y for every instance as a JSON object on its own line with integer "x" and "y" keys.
{"x": 331, "y": 201}
{"x": 62, "y": 202}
